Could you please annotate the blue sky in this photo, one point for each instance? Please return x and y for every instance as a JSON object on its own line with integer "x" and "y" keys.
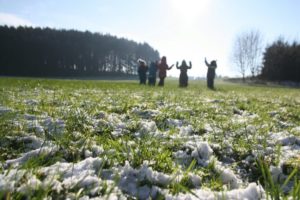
{"x": 179, "y": 29}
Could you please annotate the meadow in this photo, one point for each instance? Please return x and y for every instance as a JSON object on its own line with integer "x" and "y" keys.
{"x": 88, "y": 139}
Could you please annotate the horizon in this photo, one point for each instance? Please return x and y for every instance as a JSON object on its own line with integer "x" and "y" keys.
{"x": 208, "y": 29}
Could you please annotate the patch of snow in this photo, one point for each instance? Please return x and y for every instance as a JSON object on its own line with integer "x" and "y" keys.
{"x": 145, "y": 113}
{"x": 33, "y": 125}
{"x": 115, "y": 121}
{"x": 174, "y": 122}
{"x": 31, "y": 102}
{"x": 10, "y": 179}
{"x": 131, "y": 178}
{"x": 181, "y": 109}
{"x": 147, "y": 127}
{"x": 96, "y": 149}
{"x": 30, "y": 117}
{"x": 277, "y": 175}
{"x": 285, "y": 124}
{"x": 4, "y": 110}
{"x": 53, "y": 126}
{"x": 31, "y": 141}
{"x": 186, "y": 130}
{"x": 273, "y": 113}
{"x": 83, "y": 174}
{"x": 31, "y": 154}
{"x": 289, "y": 152}
{"x": 196, "y": 180}
{"x": 251, "y": 129}
{"x": 251, "y": 192}
{"x": 88, "y": 166}
{"x": 200, "y": 151}
{"x": 239, "y": 119}
{"x": 228, "y": 177}
{"x": 83, "y": 180}
{"x": 208, "y": 128}
{"x": 53, "y": 183}
{"x": 101, "y": 115}
{"x": 32, "y": 184}
{"x": 285, "y": 138}
{"x": 296, "y": 130}
{"x": 117, "y": 132}
{"x": 87, "y": 153}
{"x": 238, "y": 111}
{"x": 214, "y": 100}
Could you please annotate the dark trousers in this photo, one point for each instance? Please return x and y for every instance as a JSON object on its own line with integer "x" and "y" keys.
{"x": 183, "y": 80}
{"x": 210, "y": 78}
{"x": 210, "y": 83}
{"x": 161, "y": 81}
{"x": 152, "y": 81}
{"x": 143, "y": 78}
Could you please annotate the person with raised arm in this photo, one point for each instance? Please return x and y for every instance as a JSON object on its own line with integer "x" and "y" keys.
{"x": 183, "y": 78}
{"x": 163, "y": 67}
{"x": 211, "y": 73}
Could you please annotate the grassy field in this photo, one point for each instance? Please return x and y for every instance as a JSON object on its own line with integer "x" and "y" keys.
{"x": 118, "y": 140}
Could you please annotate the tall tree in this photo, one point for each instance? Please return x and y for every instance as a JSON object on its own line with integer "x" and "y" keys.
{"x": 247, "y": 52}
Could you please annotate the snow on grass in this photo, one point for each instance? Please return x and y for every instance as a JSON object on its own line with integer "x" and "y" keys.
{"x": 31, "y": 141}
{"x": 4, "y": 110}
{"x": 252, "y": 191}
{"x": 131, "y": 179}
{"x": 31, "y": 154}
{"x": 94, "y": 140}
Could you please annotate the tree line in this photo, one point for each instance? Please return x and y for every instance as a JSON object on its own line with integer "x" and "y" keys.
{"x": 279, "y": 61}
{"x": 28, "y": 51}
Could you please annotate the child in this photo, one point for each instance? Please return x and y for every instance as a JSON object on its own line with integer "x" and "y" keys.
{"x": 142, "y": 70}
{"x": 152, "y": 74}
{"x": 211, "y": 73}
{"x": 163, "y": 67}
{"x": 183, "y": 78}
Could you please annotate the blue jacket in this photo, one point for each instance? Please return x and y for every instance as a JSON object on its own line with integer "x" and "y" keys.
{"x": 152, "y": 70}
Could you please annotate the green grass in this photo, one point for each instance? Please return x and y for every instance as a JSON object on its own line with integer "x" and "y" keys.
{"x": 239, "y": 116}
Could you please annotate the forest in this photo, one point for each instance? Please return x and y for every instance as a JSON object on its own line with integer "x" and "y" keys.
{"x": 45, "y": 52}
{"x": 281, "y": 61}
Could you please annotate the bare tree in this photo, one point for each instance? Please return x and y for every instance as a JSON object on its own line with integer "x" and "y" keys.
{"x": 247, "y": 52}
{"x": 239, "y": 53}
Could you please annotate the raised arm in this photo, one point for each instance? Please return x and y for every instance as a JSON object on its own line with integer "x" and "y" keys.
{"x": 207, "y": 64}
{"x": 177, "y": 65}
{"x": 190, "y": 65}
{"x": 170, "y": 67}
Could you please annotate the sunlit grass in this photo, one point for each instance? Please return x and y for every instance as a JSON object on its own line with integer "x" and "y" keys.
{"x": 234, "y": 119}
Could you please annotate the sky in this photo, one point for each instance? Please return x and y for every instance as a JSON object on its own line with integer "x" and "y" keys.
{"x": 178, "y": 29}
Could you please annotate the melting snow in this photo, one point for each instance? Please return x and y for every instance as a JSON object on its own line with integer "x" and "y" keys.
{"x": 4, "y": 110}
{"x": 252, "y": 192}
{"x": 30, "y": 154}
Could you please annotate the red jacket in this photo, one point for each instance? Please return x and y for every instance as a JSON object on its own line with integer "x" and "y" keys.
{"x": 163, "y": 67}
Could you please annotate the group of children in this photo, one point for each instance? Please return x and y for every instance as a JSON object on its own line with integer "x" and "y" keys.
{"x": 162, "y": 67}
